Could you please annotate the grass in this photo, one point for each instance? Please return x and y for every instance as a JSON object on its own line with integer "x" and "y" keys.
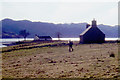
{"x": 86, "y": 61}
{"x": 0, "y": 66}
{"x": 31, "y": 45}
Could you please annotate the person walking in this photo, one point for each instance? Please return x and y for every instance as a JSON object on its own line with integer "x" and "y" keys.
{"x": 70, "y": 43}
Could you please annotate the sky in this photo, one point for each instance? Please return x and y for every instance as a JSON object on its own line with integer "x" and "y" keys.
{"x": 61, "y": 11}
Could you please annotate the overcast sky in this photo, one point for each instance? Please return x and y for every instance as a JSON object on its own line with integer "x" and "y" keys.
{"x": 105, "y": 12}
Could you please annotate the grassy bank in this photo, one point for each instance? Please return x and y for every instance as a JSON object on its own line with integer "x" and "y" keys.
{"x": 86, "y": 61}
{"x": 31, "y": 45}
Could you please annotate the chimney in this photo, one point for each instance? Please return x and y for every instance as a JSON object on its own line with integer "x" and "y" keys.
{"x": 87, "y": 25}
{"x": 94, "y": 23}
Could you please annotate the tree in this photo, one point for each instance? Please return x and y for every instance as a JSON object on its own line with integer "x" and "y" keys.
{"x": 24, "y": 33}
{"x": 58, "y": 35}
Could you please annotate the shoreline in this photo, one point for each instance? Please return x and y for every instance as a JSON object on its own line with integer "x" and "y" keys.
{"x": 17, "y": 43}
{"x": 12, "y": 41}
{"x": 40, "y": 44}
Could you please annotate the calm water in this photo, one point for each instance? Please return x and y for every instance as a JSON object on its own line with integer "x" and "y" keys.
{"x": 2, "y": 41}
{"x": 21, "y": 39}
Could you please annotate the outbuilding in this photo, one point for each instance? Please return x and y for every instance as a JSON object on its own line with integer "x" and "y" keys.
{"x": 42, "y": 38}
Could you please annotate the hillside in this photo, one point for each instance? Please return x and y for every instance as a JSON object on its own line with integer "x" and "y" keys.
{"x": 43, "y": 28}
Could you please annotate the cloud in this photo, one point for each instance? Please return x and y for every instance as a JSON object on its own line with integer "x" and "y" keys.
{"x": 109, "y": 17}
{"x": 59, "y": 0}
{"x": 70, "y": 12}
{"x": 62, "y": 12}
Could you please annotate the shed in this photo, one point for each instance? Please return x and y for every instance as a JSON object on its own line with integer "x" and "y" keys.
{"x": 92, "y": 34}
{"x": 42, "y": 38}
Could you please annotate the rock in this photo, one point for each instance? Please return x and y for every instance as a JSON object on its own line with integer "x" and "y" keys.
{"x": 71, "y": 71}
{"x": 63, "y": 76}
{"x": 76, "y": 65}
{"x": 100, "y": 60}
{"x": 60, "y": 61}
{"x": 91, "y": 77}
{"x": 16, "y": 65}
{"x": 39, "y": 71}
{"x": 80, "y": 69}
{"x": 18, "y": 61}
{"x": 66, "y": 61}
{"x": 30, "y": 60}
{"x": 51, "y": 61}
{"x": 72, "y": 63}
{"x": 112, "y": 55}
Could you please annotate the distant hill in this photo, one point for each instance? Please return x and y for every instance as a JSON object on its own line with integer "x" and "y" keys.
{"x": 11, "y": 28}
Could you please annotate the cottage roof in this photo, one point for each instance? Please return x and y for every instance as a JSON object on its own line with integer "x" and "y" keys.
{"x": 44, "y": 36}
{"x": 95, "y": 28}
{"x": 86, "y": 30}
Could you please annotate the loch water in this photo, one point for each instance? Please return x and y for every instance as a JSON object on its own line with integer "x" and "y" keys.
{"x": 10, "y": 40}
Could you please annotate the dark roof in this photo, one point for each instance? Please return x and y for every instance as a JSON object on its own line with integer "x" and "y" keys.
{"x": 95, "y": 28}
{"x": 86, "y": 30}
{"x": 44, "y": 36}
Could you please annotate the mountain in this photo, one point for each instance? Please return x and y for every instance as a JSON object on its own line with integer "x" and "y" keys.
{"x": 11, "y": 28}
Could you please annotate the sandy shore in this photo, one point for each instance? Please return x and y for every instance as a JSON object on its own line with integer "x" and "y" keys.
{"x": 86, "y": 61}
